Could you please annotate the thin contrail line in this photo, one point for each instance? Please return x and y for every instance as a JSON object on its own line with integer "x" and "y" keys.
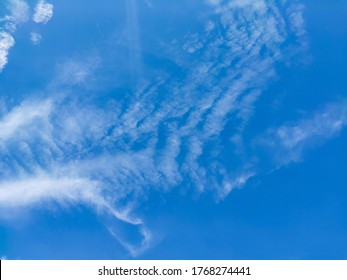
{"x": 135, "y": 57}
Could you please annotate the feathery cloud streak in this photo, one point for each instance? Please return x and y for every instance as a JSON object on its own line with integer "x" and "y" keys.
{"x": 288, "y": 142}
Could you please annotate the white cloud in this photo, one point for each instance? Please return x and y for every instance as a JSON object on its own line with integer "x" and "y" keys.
{"x": 19, "y": 14}
{"x": 296, "y": 17}
{"x": 67, "y": 150}
{"x": 44, "y": 173}
{"x": 23, "y": 116}
{"x": 35, "y": 38}
{"x": 229, "y": 100}
{"x": 77, "y": 72}
{"x": 31, "y": 191}
{"x": 43, "y": 12}
{"x": 6, "y": 42}
{"x": 19, "y": 10}
{"x": 230, "y": 184}
{"x": 289, "y": 142}
{"x": 134, "y": 250}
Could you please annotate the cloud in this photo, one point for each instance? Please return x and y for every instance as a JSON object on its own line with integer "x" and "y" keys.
{"x": 134, "y": 249}
{"x": 35, "y": 38}
{"x": 289, "y": 142}
{"x": 72, "y": 148}
{"x": 19, "y": 10}
{"x": 6, "y": 42}
{"x": 30, "y": 191}
{"x": 296, "y": 17}
{"x": 233, "y": 183}
{"x": 77, "y": 71}
{"x": 23, "y": 116}
{"x": 43, "y": 12}
{"x": 48, "y": 162}
{"x": 19, "y": 13}
{"x": 64, "y": 190}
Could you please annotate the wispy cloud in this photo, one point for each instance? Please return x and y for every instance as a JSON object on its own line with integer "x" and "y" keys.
{"x": 18, "y": 13}
{"x": 289, "y": 142}
{"x": 19, "y": 10}
{"x": 43, "y": 12}
{"x": 77, "y": 72}
{"x": 169, "y": 132}
{"x": 22, "y": 117}
{"x": 134, "y": 249}
{"x": 35, "y": 38}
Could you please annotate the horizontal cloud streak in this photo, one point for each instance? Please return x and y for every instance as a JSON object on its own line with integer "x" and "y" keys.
{"x": 288, "y": 142}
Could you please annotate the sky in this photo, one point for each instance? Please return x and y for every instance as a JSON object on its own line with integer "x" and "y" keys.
{"x": 150, "y": 129}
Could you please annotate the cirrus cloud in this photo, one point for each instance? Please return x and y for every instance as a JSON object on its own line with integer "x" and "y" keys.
{"x": 168, "y": 133}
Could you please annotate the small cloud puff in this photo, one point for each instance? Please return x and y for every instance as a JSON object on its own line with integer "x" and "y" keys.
{"x": 35, "y": 38}
{"x": 43, "y": 12}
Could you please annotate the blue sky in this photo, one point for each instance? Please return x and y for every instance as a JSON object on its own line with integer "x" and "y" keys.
{"x": 147, "y": 129}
